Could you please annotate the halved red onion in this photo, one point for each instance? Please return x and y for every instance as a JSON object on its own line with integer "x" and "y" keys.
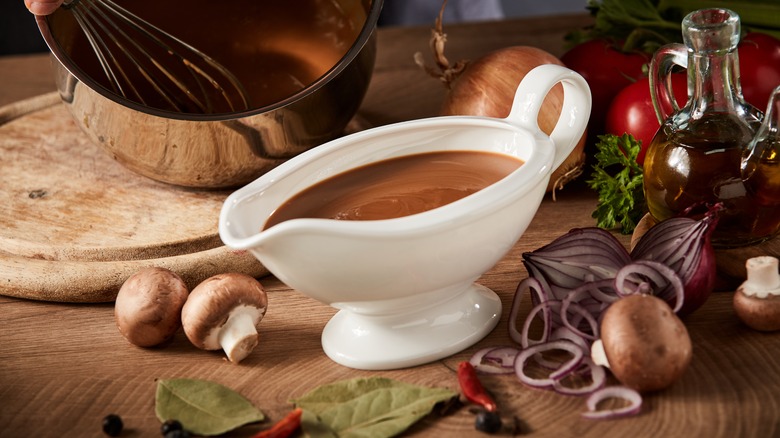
{"x": 683, "y": 244}
{"x": 579, "y": 255}
{"x": 633, "y": 398}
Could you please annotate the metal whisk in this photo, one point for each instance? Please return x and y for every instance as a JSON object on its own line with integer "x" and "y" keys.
{"x": 148, "y": 65}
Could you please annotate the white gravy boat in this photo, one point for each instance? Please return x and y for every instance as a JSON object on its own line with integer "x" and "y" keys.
{"x": 405, "y": 286}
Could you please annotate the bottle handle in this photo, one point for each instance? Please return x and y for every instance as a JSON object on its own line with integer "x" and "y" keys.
{"x": 664, "y": 61}
{"x": 754, "y": 150}
{"x": 575, "y": 110}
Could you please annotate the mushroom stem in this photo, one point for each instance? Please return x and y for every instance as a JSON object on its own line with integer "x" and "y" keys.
{"x": 238, "y": 337}
{"x": 597, "y": 353}
{"x": 763, "y": 278}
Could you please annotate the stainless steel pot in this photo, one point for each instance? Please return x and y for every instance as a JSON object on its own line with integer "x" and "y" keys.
{"x": 224, "y": 150}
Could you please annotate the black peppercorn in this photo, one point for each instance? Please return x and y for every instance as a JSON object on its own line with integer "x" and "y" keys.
{"x": 177, "y": 433}
{"x": 488, "y": 422}
{"x": 112, "y": 425}
{"x": 170, "y": 426}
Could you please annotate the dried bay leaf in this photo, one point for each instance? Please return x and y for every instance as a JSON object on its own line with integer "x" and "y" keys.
{"x": 373, "y": 407}
{"x": 203, "y": 407}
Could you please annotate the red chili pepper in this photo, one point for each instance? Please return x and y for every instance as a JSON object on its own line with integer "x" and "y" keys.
{"x": 284, "y": 427}
{"x": 472, "y": 388}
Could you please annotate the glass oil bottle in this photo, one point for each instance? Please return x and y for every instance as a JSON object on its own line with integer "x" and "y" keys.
{"x": 695, "y": 159}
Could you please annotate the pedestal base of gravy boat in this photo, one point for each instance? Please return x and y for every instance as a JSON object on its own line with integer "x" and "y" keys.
{"x": 405, "y": 285}
{"x": 381, "y": 342}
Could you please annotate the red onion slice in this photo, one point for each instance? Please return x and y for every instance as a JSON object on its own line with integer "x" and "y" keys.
{"x": 663, "y": 281}
{"x": 622, "y": 392}
{"x": 494, "y": 360}
{"x": 537, "y": 296}
{"x": 597, "y": 379}
{"x": 567, "y": 306}
{"x": 479, "y": 362}
{"x": 546, "y": 308}
{"x": 503, "y": 355}
{"x": 602, "y": 291}
{"x": 567, "y": 334}
{"x": 522, "y": 360}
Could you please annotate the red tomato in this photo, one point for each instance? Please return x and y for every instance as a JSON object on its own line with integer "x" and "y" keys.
{"x": 632, "y": 111}
{"x": 759, "y": 67}
{"x": 607, "y": 70}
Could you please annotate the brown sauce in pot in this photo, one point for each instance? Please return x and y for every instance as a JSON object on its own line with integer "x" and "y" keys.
{"x": 274, "y": 49}
{"x": 398, "y": 187}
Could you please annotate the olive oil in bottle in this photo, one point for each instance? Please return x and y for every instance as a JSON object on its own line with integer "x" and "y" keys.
{"x": 698, "y": 156}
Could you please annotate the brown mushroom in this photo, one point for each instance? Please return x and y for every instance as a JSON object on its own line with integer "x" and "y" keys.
{"x": 223, "y": 312}
{"x": 643, "y": 343}
{"x": 757, "y": 300}
{"x": 148, "y": 306}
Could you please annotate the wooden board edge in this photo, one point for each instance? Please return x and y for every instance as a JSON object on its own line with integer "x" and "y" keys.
{"x": 96, "y": 282}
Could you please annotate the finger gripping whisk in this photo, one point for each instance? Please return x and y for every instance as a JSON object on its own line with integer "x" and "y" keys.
{"x": 148, "y": 65}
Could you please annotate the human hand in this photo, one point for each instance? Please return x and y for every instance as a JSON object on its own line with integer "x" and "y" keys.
{"x": 42, "y": 7}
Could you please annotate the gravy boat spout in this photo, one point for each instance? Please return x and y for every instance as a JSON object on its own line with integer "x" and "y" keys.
{"x": 406, "y": 286}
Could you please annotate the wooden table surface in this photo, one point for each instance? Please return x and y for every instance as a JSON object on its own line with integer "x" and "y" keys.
{"x": 63, "y": 367}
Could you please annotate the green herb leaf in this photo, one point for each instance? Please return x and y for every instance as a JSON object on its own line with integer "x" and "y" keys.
{"x": 203, "y": 407}
{"x": 621, "y": 197}
{"x": 638, "y": 23}
{"x": 374, "y": 407}
{"x": 648, "y": 24}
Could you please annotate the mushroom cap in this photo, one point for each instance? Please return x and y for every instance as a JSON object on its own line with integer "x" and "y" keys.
{"x": 761, "y": 314}
{"x": 647, "y": 346}
{"x": 148, "y": 306}
{"x": 211, "y": 302}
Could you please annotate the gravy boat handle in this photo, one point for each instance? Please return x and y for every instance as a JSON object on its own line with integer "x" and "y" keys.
{"x": 575, "y": 111}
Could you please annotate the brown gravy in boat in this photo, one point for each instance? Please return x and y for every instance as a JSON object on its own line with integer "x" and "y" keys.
{"x": 397, "y": 187}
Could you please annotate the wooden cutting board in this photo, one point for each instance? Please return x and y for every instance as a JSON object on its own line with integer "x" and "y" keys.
{"x": 74, "y": 223}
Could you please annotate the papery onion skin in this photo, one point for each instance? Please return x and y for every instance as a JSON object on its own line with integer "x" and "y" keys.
{"x": 487, "y": 85}
{"x": 646, "y": 344}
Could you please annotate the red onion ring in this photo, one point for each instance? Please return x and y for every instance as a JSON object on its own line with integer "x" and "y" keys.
{"x": 494, "y": 360}
{"x": 587, "y": 316}
{"x": 522, "y": 359}
{"x": 598, "y": 378}
{"x": 546, "y": 309}
{"x": 533, "y": 286}
{"x": 664, "y": 281}
{"x": 503, "y": 355}
{"x": 595, "y": 287}
{"x": 622, "y": 392}
{"x": 566, "y": 333}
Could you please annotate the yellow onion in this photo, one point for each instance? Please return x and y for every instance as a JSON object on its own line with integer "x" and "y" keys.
{"x": 486, "y": 87}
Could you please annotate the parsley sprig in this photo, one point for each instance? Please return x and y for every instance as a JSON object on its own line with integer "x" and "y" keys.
{"x": 618, "y": 180}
